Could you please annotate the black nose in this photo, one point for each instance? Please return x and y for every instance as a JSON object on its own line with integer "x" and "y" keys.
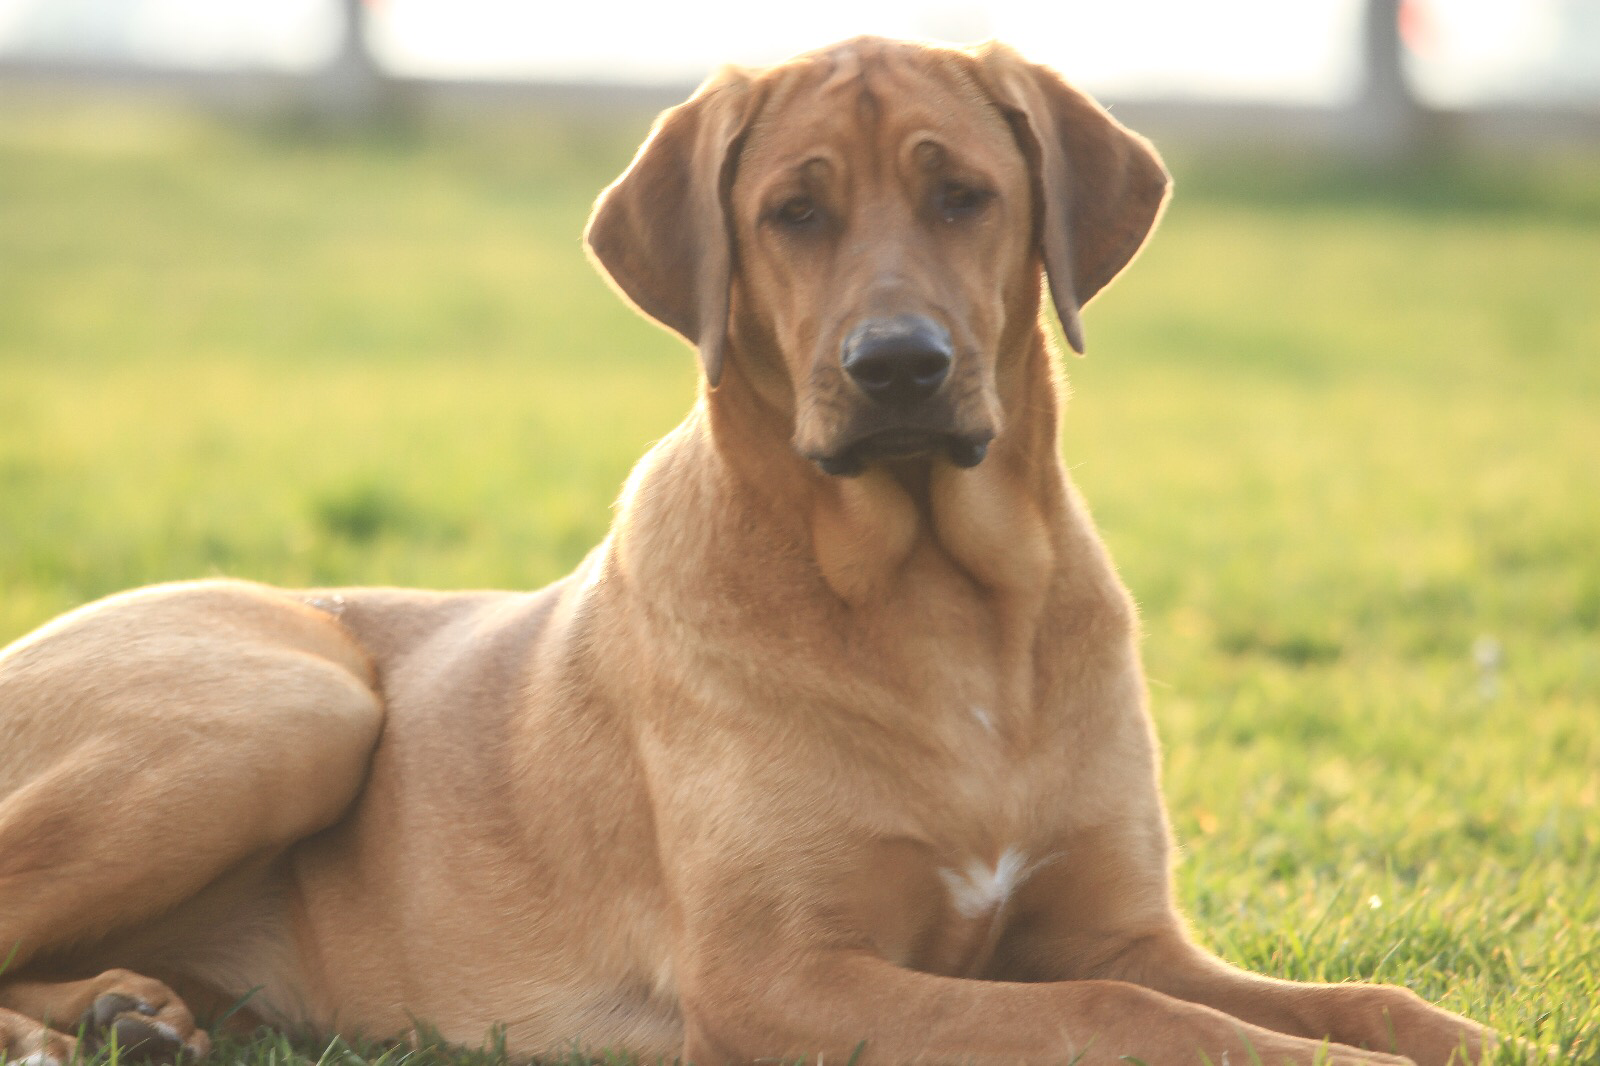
{"x": 900, "y": 360}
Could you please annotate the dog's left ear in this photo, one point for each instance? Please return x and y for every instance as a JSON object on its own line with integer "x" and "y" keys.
{"x": 1100, "y": 186}
{"x": 660, "y": 231}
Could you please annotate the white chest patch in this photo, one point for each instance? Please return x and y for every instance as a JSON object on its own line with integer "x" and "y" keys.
{"x": 980, "y": 889}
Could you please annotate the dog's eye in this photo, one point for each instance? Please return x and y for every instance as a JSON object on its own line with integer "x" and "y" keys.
{"x": 957, "y": 200}
{"x": 797, "y": 212}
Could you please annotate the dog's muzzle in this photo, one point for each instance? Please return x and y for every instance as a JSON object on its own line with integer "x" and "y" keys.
{"x": 900, "y": 363}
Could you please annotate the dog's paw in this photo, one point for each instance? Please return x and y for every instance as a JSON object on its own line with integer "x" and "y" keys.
{"x": 146, "y": 1021}
{"x": 24, "y": 1042}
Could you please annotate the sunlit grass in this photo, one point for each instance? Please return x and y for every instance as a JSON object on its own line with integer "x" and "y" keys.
{"x": 1339, "y": 432}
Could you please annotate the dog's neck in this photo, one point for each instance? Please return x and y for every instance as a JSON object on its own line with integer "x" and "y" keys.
{"x": 984, "y": 548}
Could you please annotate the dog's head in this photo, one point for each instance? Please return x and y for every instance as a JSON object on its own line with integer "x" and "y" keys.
{"x": 865, "y": 226}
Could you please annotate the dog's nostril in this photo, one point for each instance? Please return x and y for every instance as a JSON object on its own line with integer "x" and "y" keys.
{"x": 873, "y": 373}
{"x": 900, "y": 360}
{"x": 929, "y": 369}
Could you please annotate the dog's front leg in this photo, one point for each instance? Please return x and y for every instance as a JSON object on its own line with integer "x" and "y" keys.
{"x": 1386, "y": 1017}
{"x": 852, "y": 1006}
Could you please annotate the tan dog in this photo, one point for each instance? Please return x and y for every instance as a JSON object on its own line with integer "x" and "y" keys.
{"x": 837, "y": 744}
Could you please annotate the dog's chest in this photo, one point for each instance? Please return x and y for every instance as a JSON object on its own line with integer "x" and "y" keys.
{"x": 942, "y": 916}
{"x": 940, "y": 899}
{"x": 978, "y": 890}
{"x": 975, "y": 766}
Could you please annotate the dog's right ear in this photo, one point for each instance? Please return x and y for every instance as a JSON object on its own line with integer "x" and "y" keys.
{"x": 661, "y": 231}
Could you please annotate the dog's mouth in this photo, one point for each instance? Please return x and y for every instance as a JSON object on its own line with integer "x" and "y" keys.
{"x": 963, "y": 450}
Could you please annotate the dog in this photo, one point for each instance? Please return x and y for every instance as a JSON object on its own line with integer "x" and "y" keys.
{"x": 836, "y": 746}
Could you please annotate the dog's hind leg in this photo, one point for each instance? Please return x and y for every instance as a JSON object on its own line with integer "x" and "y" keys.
{"x": 152, "y": 743}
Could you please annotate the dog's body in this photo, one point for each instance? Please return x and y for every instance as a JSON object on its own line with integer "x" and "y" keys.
{"x": 836, "y": 744}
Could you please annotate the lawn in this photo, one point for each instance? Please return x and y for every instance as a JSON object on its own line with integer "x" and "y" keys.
{"x": 1341, "y": 432}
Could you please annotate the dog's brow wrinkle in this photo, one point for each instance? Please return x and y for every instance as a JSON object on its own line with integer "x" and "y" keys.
{"x": 984, "y": 718}
{"x": 867, "y": 107}
{"x": 816, "y": 168}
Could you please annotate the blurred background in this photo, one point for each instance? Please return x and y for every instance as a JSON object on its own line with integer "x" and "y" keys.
{"x": 293, "y": 291}
{"x": 1459, "y": 52}
{"x": 1538, "y": 58}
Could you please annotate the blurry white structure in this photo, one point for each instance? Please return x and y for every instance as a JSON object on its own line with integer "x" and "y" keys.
{"x": 1312, "y": 74}
{"x": 1464, "y": 52}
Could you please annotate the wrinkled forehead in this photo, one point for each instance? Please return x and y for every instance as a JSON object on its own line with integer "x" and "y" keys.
{"x": 867, "y": 101}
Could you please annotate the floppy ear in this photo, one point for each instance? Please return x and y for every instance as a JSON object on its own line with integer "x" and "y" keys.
{"x": 660, "y": 231}
{"x": 1100, "y": 186}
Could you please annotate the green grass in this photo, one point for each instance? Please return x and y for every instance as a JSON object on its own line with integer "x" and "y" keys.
{"x": 1338, "y": 429}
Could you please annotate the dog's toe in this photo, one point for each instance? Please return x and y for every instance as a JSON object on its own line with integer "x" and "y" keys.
{"x": 108, "y": 1006}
